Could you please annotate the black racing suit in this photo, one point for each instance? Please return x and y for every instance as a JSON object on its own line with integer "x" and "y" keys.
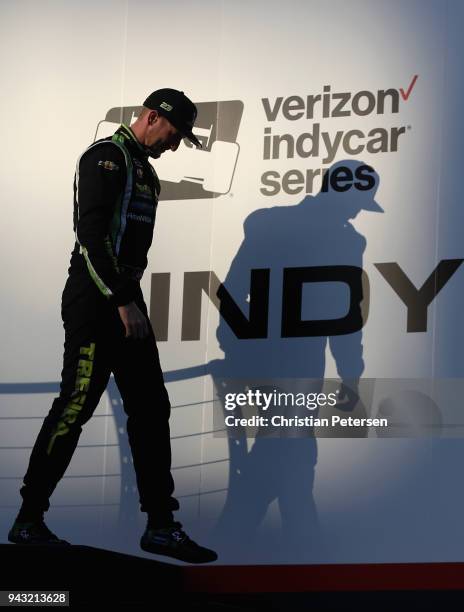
{"x": 115, "y": 198}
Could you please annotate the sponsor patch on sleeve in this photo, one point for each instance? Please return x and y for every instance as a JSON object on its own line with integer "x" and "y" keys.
{"x": 108, "y": 165}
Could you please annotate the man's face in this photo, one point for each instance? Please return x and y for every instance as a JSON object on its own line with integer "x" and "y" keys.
{"x": 161, "y": 135}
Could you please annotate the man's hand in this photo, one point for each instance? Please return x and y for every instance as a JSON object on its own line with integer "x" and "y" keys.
{"x": 134, "y": 321}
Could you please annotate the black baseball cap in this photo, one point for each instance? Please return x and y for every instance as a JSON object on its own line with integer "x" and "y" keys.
{"x": 177, "y": 108}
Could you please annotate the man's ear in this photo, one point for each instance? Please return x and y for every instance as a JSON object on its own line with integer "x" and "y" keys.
{"x": 152, "y": 117}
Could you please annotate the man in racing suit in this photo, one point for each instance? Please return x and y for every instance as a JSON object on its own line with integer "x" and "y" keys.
{"x": 107, "y": 328}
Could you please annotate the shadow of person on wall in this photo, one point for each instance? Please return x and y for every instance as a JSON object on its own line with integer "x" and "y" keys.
{"x": 318, "y": 297}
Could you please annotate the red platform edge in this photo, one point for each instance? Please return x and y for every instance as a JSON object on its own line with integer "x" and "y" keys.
{"x": 307, "y": 578}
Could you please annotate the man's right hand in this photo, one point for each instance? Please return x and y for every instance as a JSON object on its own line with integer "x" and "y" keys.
{"x": 134, "y": 320}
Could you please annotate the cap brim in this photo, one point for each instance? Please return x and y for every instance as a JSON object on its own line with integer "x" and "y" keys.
{"x": 185, "y": 130}
{"x": 191, "y": 136}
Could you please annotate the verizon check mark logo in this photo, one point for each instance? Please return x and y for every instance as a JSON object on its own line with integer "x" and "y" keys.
{"x": 406, "y": 95}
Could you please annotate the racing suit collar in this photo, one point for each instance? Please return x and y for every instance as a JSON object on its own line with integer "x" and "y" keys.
{"x": 125, "y": 129}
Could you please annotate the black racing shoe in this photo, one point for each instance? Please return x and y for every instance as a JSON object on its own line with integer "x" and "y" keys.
{"x": 33, "y": 534}
{"x": 174, "y": 542}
